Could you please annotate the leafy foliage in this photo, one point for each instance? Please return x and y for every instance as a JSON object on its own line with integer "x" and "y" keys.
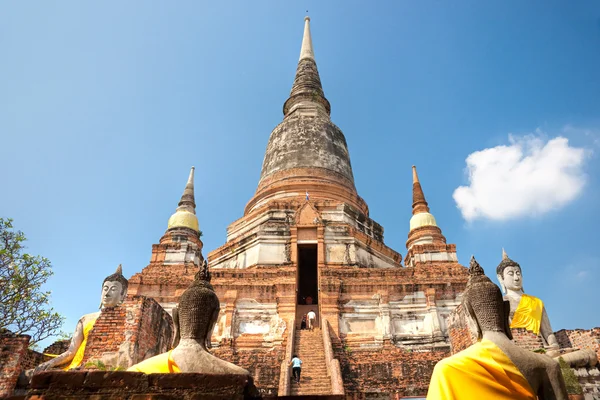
{"x": 99, "y": 365}
{"x": 24, "y": 306}
{"x": 573, "y": 386}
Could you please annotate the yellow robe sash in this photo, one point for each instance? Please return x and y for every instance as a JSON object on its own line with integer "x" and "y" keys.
{"x": 528, "y": 314}
{"x": 76, "y": 361}
{"x": 480, "y": 372}
{"x": 160, "y": 364}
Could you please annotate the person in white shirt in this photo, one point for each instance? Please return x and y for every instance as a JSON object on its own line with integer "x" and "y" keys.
{"x": 296, "y": 365}
{"x": 311, "y": 319}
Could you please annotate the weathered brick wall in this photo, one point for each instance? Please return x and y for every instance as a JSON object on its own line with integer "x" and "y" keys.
{"x": 527, "y": 339}
{"x": 127, "y": 334}
{"x": 13, "y": 351}
{"x": 580, "y": 339}
{"x": 563, "y": 339}
{"x": 461, "y": 337}
{"x": 100, "y": 385}
{"x": 32, "y": 359}
{"x": 391, "y": 370}
{"x": 458, "y": 331}
{"x": 264, "y": 365}
{"x": 387, "y": 372}
{"x": 58, "y": 347}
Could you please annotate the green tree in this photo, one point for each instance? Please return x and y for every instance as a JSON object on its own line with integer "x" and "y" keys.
{"x": 24, "y": 306}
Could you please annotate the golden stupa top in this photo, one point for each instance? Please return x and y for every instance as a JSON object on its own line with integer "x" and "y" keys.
{"x": 185, "y": 215}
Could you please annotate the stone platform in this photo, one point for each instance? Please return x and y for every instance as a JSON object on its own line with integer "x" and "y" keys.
{"x": 100, "y": 385}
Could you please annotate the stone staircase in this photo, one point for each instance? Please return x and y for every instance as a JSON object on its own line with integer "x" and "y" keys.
{"x": 308, "y": 345}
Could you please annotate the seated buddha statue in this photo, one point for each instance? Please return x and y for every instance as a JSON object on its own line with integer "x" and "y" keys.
{"x": 525, "y": 311}
{"x": 194, "y": 320}
{"x": 114, "y": 290}
{"x": 494, "y": 367}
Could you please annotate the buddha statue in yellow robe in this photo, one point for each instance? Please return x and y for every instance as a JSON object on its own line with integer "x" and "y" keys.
{"x": 114, "y": 290}
{"x": 494, "y": 367}
{"x": 525, "y": 311}
{"x": 194, "y": 319}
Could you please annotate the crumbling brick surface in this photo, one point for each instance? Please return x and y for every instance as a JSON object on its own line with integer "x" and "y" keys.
{"x": 100, "y": 385}
{"x": 33, "y": 358}
{"x": 527, "y": 339}
{"x": 458, "y": 331}
{"x": 580, "y": 339}
{"x": 13, "y": 352}
{"x": 58, "y": 347}
{"x": 127, "y": 334}
{"x": 263, "y": 364}
{"x": 391, "y": 370}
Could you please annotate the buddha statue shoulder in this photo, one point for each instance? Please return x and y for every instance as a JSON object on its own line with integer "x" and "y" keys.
{"x": 526, "y": 311}
{"x": 494, "y": 367}
{"x": 194, "y": 320}
{"x": 114, "y": 290}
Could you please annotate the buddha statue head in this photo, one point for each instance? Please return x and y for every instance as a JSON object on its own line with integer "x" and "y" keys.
{"x": 509, "y": 274}
{"x": 483, "y": 302}
{"x": 114, "y": 289}
{"x": 198, "y": 309}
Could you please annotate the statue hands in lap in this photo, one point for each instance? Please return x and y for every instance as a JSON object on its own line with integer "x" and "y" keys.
{"x": 114, "y": 290}
{"x": 194, "y": 320}
{"x": 494, "y": 367}
{"x": 525, "y": 311}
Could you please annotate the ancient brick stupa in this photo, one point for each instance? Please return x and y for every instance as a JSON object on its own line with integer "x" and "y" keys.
{"x": 306, "y": 242}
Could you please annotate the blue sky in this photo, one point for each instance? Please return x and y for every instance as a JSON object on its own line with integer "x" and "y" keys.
{"x": 104, "y": 108}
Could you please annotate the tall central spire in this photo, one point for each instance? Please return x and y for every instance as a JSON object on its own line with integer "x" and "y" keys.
{"x": 307, "y": 93}
{"x": 306, "y": 151}
{"x": 307, "y": 50}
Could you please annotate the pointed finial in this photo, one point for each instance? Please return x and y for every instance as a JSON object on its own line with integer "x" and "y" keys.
{"x": 419, "y": 203}
{"x": 474, "y": 268}
{"x": 415, "y": 176}
{"x": 187, "y": 202}
{"x": 203, "y": 273}
{"x": 119, "y": 270}
{"x": 504, "y": 255}
{"x": 185, "y": 215}
{"x": 306, "y": 50}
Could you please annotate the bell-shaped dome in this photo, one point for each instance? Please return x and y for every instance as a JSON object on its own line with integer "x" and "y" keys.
{"x": 306, "y": 151}
{"x": 185, "y": 215}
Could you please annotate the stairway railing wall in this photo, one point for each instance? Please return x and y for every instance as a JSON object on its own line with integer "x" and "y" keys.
{"x": 284, "y": 374}
{"x": 333, "y": 364}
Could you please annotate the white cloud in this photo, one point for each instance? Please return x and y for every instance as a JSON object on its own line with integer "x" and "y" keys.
{"x": 530, "y": 176}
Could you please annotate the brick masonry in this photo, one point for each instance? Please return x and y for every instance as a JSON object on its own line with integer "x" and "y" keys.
{"x": 391, "y": 371}
{"x": 263, "y": 364}
{"x": 458, "y": 331}
{"x": 580, "y": 339}
{"x": 129, "y": 333}
{"x": 461, "y": 337}
{"x": 13, "y": 352}
{"x": 100, "y": 385}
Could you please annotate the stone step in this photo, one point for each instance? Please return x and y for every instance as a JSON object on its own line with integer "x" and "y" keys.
{"x": 304, "y": 392}
{"x": 308, "y": 345}
{"x": 308, "y": 392}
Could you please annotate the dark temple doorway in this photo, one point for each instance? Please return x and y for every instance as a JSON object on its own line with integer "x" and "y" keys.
{"x": 307, "y": 274}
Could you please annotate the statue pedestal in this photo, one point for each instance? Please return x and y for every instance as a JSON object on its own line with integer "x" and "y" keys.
{"x": 136, "y": 385}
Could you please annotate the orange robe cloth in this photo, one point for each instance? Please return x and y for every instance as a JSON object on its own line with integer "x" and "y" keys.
{"x": 528, "y": 314}
{"x": 76, "y": 361}
{"x": 480, "y": 372}
{"x": 160, "y": 364}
